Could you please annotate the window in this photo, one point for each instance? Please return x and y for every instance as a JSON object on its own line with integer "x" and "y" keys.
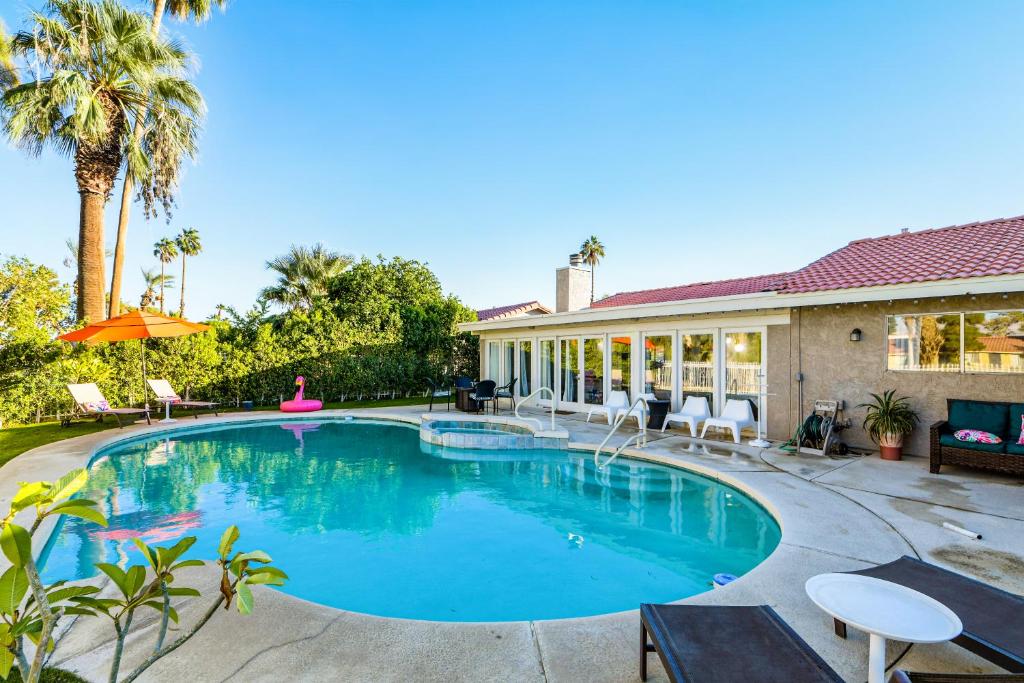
{"x": 508, "y": 361}
{"x": 990, "y": 341}
{"x": 593, "y": 370}
{"x": 525, "y": 367}
{"x": 620, "y": 364}
{"x": 547, "y": 365}
{"x": 699, "y": 366}
{"x": 743, "y": 366}
{"x": 493, "y": 361}
{"x": 569, "y": 369}
{"x": 658, "y": 366}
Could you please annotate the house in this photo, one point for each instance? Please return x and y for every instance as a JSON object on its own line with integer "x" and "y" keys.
{"x": 932, "y": 314}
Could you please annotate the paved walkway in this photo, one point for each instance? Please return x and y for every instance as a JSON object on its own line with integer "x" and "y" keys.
{"x": 836, "y": 515}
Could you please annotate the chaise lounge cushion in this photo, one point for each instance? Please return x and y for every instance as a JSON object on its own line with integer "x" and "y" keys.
{"x": 987, "y": 417}
{"x": 1014, "y": 448}
{"x": 953, "y": 442}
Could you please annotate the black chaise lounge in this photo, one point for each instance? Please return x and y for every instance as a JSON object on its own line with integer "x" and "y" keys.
{"x": 993, "y": 619}
{"x": 716, "y": 644}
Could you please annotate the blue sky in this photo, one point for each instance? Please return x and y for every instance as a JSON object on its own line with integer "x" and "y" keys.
{"x": 697, "y": 140}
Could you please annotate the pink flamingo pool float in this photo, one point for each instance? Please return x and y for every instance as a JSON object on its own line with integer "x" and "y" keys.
{"x": 300, "y": 404}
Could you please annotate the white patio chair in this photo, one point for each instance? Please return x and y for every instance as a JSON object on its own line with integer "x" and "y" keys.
{"x": 617, "y": 400}
{"x": 736, "y": 415}
{"x": 166, "y": 394}
{"x": 638, "y": 412}
{"x": 89, "y": 401}
{"x": 695, "y": 410}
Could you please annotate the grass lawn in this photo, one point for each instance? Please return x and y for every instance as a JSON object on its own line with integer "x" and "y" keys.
{"x": 17, "y": 439}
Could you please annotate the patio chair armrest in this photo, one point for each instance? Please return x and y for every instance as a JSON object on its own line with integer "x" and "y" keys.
{"x": 938, "y": 426}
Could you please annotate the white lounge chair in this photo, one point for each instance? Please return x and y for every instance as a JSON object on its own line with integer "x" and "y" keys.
{"x": 166, "y": 394}
{"x": 736, "y": 415}
{"x": 695, "y": 410}
{"x": 617, "y": 400}
{"x": 638, "y": 413}
{"x": 89, "y": 402}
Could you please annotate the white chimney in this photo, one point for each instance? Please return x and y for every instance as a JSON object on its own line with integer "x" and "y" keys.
{"x": 572, "y": 286}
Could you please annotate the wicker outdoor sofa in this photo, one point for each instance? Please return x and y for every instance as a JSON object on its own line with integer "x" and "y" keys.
{"x": 1001, "y": 419}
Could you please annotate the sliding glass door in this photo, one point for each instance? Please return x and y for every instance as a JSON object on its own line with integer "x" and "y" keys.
{"x": 621, "y": 369}
{"x": 493, "y": 361}
{"x": 658, "y": 366}
{"x": 593, "y": 370}
{"x": 568, "y": 370}
{"x": 743, "y": 366}
{"x": 547, "y": 367}
{"x": 525, "y": 367}
{"x": 508, "y": 361}
{"x": 698, "y": 377}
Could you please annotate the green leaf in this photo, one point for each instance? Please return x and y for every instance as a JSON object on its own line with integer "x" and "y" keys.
{"x": 117, "y": 575}
{"x": 13, "y": 587}
{"x": 254, "y": 556}
{"x": 158, "y": 605}
{"x": 70, "y": 592}
{"x": 169, "y": 555}
{"x": 244, "y": 598}
{"x": 6, "y": 662}
{"x": 188, "y": 563}
{"x": 69, "y": 484}
{"x": 135, "y": 577}
{"x": 29, "y": 494}
{"x": 16, "y": 544}
{"x": 183, "y": 592}
{"x": 151, "y": 555}
{"x": 227, "y": 541}
{"x": 77, "y": 508}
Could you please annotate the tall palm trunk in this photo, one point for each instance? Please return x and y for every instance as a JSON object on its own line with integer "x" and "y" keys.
{"x": 161, "y": 286}
{"x": 181, "y": 307}
{"x": 96, "y": 166}
{"x": 126, "y": 196}
{"x": 90, "y": 256}
{"x": 593, "y": 267}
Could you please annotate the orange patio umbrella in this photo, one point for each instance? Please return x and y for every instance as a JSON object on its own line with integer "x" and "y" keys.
{"x": 135, "y": 325}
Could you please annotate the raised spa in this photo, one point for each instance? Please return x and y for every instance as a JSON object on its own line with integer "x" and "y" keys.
{"x": 364, "y": 516}
{"x": 488, "y": 435}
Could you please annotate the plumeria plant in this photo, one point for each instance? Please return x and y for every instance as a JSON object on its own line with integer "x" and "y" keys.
{"x": 30, "y": 610}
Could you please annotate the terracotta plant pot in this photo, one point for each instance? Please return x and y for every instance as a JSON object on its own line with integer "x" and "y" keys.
{"x": 891, "y": 447}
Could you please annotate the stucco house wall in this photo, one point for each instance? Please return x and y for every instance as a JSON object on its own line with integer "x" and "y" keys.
{"x": 835, "y": 367}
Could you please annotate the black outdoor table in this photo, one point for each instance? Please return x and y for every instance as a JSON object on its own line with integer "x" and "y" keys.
{"x": 463, "y": 401}
{"x": 657, "y": 410}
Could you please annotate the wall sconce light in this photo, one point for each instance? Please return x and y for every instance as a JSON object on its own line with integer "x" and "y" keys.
{"x": 855, "y": 334}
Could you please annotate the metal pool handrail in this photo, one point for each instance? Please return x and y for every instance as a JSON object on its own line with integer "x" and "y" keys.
{"x": 540, "y": 425}
{"x": 640, "y": 438}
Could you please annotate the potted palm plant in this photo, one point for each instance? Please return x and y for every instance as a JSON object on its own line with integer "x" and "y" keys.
{"x": 888, "y": 421}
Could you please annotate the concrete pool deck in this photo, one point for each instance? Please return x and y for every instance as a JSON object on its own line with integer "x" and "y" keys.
{"x": 836, "y": 515}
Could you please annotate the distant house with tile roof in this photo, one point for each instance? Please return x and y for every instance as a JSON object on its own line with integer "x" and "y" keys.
{"x": 878, "y": 313}
{"x": 512, "y": 311}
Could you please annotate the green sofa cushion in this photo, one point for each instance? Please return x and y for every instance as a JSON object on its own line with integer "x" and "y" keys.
{"x": 984, "y": 416}
{"x": 952, "y": 441}
{"x": 1014, "y": 448}
{"x": 1013, "y": 433}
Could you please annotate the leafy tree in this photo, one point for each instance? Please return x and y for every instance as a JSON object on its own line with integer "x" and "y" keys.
{"x": 592, "y": 252}
{"x": 189, "y": 245}
{"x": 305, "y": 276}
{"x": 98, "y": 70}
{"x": 158, "y": 186}
{"x": 8, "y": 75}
{"x": 166, "y": 250}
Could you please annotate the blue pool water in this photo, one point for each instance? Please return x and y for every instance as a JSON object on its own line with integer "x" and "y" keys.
{"x": 364, "y": 518}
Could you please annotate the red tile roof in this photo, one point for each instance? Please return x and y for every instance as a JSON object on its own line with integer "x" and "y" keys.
{"x": 511, "y": 311}
{"x": 698, "y": 290}
{"x": 959, "y": 251}
{"x": 1002, "y": 344}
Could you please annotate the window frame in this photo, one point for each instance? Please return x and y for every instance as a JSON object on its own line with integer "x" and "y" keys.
{"x": 963, "y": 352}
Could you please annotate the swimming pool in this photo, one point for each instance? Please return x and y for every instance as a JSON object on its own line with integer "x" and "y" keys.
{"x": 363, "y": 518}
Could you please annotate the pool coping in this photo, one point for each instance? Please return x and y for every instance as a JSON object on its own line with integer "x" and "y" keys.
{"x": 782, "y": 494}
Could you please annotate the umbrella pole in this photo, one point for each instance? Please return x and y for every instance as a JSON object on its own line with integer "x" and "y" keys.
{"x": 145, "y": 395}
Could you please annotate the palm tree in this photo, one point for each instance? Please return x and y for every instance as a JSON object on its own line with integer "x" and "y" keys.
{"x": 199, "y": 11}
{"x": 153, "y": 280}
{"x": 166, "y": 250}
{"x": 71, "y": 258}
{"x": 8, "y": 76}
{"x": 592, "y": 252}
{"x": 98, "y": 70}
{"x": 304, "y": 275}
{"x": 189, "y": 245}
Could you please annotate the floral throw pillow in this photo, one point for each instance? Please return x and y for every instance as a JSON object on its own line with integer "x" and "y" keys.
{"x": 98, "y": 406}
{"x": 1020, "y": 441}
{"x": 976, "y": 436}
